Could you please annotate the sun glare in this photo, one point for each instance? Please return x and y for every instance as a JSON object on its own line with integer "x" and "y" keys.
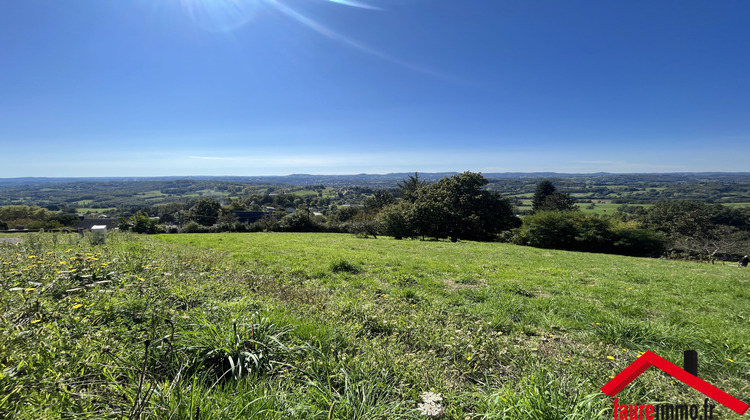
{"x": 228, "y": 15}
{"x": 221, "y": 15}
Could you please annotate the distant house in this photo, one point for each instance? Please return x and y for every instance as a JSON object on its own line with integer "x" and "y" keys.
{"x": 88, "y": 224}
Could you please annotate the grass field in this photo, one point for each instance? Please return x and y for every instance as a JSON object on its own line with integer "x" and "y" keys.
{"x": 601, "y": 207}
{"x": 277, "y": 325}
{"x": 606, "y": 208}
{"x": 97, "y": 210}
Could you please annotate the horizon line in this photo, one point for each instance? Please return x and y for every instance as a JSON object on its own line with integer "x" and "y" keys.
{"x": 383, "y": 174}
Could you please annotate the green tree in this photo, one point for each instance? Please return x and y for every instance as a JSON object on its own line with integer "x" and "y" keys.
{"x": 409, "y": 187}
{"x": 459, "y": 208}
{"x": 32, "y": 217}
{"x": 344, "y": 214}
{"x": 299, "y": 221}
{"x": 378, "y": 201}
{"x": 206, "y": 211}
{"x": 547, "y": 198}
{"x": 141, "y": 223}
{"x": 543, "y": 190}
{"x": 397, "y": 220}
{"x": 138, "y": 223}
{"x": 709, "y": 231}
{"x": 66, "y": 219}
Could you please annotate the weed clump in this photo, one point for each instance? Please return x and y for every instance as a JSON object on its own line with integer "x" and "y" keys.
{"x": 344, "y": 266}
{"x": 249, "y": 347}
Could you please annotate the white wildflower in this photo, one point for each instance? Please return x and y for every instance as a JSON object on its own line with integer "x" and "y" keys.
{"x": 431, "y": 404}
{"x": 429, "y": 397}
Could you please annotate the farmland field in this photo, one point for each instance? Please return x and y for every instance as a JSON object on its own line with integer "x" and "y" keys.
{"x": 288, "y": 325}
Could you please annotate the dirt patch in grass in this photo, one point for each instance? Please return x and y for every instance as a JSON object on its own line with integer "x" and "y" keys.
{"x": 451, "y": 284}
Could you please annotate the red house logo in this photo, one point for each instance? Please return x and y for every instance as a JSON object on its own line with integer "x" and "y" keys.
{"x": 649, "y": 359}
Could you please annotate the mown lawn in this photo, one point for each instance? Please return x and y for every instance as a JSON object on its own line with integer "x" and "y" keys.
{"x": 275, "y": 325}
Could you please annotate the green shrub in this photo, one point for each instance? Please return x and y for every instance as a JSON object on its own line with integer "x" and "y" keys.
{"x": 193, "y": 227}
{"x": 575, "y": 231}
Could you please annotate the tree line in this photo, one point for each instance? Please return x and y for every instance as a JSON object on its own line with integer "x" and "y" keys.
{"x": 457, "y": 207}
{"x": 676, "y": 228}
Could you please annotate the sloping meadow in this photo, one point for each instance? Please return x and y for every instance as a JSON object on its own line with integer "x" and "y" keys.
{"x": 284, "y": 325}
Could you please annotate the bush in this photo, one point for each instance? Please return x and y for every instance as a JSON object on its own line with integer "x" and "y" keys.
{"x": 575, "y": 231}
{"x": 363, "y": 226}
{"x": 563, "y": 230}
{"x": 193, "y": 227}
{"x": 266, "y": 224}
{"x": 395, "y": 221}
{"x": 629, "y": 239}
{"x": 299, "y": 221}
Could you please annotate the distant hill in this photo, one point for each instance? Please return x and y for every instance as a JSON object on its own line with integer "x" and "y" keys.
{"x": 388, "y": 180}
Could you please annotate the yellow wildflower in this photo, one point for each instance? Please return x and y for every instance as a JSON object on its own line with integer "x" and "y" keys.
{"x": 610, "y": 358}
{"x": 77, "y": 305}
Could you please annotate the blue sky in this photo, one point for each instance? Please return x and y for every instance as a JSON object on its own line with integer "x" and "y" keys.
{"x": 274, "y": 87}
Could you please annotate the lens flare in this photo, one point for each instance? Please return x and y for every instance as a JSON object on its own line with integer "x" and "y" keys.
{"x": 323, "y": 30}
{"x": 229, "y": 15}
{"x": 221, "y": 15}
{"x": 355, "y": 4}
